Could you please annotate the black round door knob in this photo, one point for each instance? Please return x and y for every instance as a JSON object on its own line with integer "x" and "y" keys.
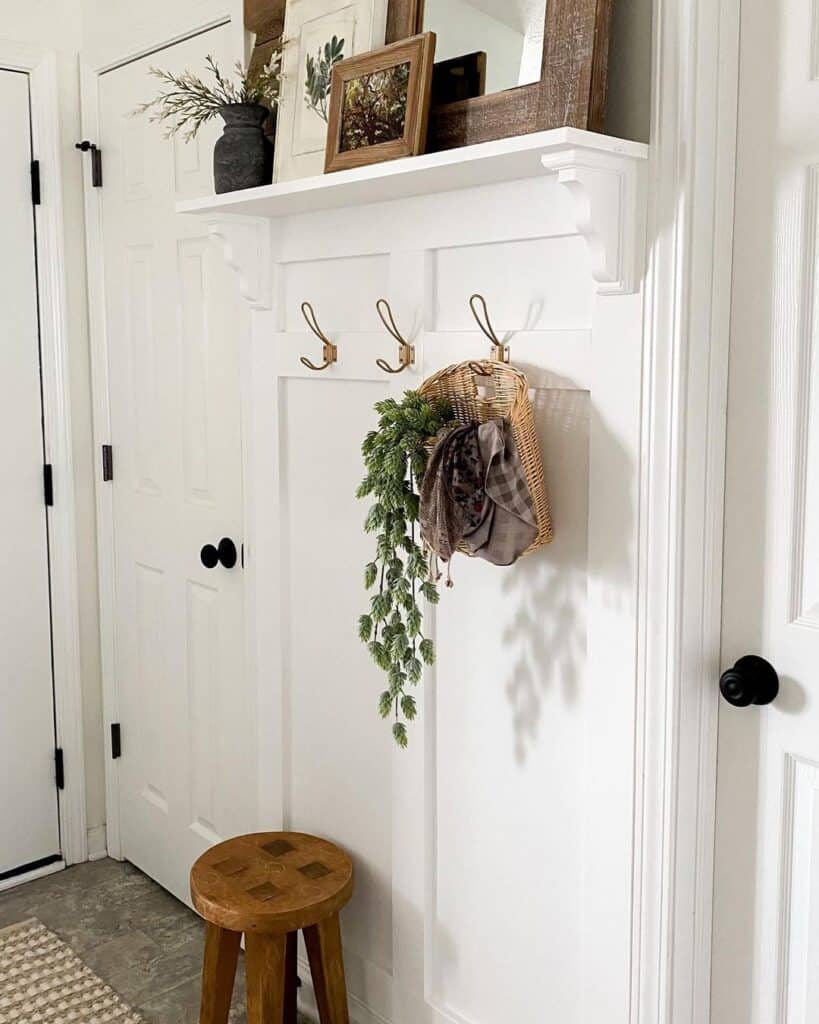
{"x": 225, "y": 553}
{"x": 209, "y": 556}
{"x": 751, "y": 681}
{"x": 228, "y": 555}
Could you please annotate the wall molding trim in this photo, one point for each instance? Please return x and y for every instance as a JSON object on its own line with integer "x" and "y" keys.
{"x": 608, "y": 200}
{"x": 687, "y": 320}
{"x": 246, "y": 243}
{"x": 41, "y": 68}
{"x": 97, "y": 843}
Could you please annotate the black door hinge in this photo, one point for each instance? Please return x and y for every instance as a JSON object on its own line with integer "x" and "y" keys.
{"x": 35, "y": 182}
{"x": 48, "y": 484}
{"x": 96, "y": 161}
{"x": 59, "y": 768}
{"x": 107, "y": 462}
{"x": 116, "y": 741}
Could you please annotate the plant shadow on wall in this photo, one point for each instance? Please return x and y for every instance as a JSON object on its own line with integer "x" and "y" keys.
{"x": 549, "y": 591}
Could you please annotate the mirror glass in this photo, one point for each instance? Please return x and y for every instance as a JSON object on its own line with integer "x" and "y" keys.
{"x": 509, "y": 32}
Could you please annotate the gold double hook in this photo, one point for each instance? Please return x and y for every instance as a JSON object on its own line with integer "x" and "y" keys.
{"x": 500, "y": 351}
{"x": 329, "y": 352}
{"x": 406, "y": 352}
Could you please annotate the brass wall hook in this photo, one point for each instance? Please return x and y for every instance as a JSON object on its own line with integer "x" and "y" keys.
{"x": 500, "y": 351}
{"x": 406, "y": 352}
{"x": 329, "y": 352}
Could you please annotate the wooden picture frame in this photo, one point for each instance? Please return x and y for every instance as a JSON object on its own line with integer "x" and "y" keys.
{"x": 572, "y": 89}
{"x": 405, "y": 18}
{"x": 418, "y": 53}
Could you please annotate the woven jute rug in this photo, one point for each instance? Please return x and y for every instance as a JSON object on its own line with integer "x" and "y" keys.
{"x": 43, "y": 982}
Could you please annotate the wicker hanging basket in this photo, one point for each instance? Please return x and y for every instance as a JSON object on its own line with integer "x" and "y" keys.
{"x": 507, "y": 397}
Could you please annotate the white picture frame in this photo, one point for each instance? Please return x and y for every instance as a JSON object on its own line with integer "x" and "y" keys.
{"x": 301, "y": 129}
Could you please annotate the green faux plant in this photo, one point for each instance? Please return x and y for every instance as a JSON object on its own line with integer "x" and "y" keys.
{"x": 395, "y": 459}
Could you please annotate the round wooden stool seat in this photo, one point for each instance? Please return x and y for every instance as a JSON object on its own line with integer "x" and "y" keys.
{"x": 271, "y": 882}
{"x": 269, "y": 886}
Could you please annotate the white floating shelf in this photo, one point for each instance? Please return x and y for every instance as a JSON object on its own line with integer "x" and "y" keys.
{"x": 604, "y": 177}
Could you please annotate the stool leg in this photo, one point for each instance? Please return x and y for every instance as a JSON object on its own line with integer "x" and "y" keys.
{"x": 265, "y": 957}
{"x": 291, "y": 980}
{"x": 218, "y": 972}
{"x": 323, "y": 942}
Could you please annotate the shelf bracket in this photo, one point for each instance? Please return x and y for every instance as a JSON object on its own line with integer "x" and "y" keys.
{"x": 608, "y": 209}
{"x": 246, "y": 242}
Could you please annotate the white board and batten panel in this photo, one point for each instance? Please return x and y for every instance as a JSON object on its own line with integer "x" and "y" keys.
{"x": 494, "y": 857}
{"x": 173, "y": 318}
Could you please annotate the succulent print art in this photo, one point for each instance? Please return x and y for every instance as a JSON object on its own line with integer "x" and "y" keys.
{"x": 319, "y": 75}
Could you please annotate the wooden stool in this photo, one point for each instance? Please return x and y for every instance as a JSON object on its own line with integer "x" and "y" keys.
{"x": 270, "y": 885}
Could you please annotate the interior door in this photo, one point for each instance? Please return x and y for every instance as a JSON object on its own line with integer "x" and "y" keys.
{"x": 187, "y": 770}
{"x": 766, "y": 928}
{"x": 29, "y": 826}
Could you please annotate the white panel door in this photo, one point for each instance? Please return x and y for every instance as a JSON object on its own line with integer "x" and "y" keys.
{"x": 29, "y": 830}
{"x": 766, "y": 928}
{"x": 173, "y": 328}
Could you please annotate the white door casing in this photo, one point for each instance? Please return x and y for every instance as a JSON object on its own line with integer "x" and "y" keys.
{"x": 177, "y": 631}
{"x": 766, "y": 928}
{"x": 29, "y": 809}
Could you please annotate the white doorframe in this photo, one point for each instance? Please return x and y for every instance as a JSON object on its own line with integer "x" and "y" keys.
{"x": 694, "y": 118}
{"x": 41, "y": 67}
{"x": 91, "y": 69}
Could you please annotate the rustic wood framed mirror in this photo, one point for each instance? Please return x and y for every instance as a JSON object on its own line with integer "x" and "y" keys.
{"x": 570, "y": 88}
{"x": 566, "y": 86}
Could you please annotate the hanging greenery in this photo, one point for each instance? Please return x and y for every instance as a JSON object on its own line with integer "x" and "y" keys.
{"x": 395, "y": 458}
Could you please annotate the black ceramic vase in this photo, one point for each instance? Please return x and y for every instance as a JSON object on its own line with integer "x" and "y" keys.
{"x": 243, "y": 155}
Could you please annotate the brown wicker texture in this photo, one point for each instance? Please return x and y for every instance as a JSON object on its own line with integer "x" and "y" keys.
{"x": 507, "y": 398}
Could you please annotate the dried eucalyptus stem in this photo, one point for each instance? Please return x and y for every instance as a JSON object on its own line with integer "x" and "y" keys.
{"x": 395, "y": 459}
{"x": 187, "y": 102}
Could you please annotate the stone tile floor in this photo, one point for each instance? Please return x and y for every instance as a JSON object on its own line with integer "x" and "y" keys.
{"x": 137, "y": 937}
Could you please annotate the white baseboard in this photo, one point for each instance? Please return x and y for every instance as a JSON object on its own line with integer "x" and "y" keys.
{"x": 97, "y": 843}
{"x": 360, "y": 1013}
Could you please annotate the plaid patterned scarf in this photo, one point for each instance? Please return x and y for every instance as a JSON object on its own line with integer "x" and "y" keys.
{"x": 509, "y": 523}
{"x": 475, "y": 493}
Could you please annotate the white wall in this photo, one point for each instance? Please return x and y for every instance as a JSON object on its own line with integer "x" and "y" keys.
{"x": 105, "y": 30}
{"x": 58, "y": 24}
{"x": 113, "y": 28}
{"x": 629, "y": 106}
